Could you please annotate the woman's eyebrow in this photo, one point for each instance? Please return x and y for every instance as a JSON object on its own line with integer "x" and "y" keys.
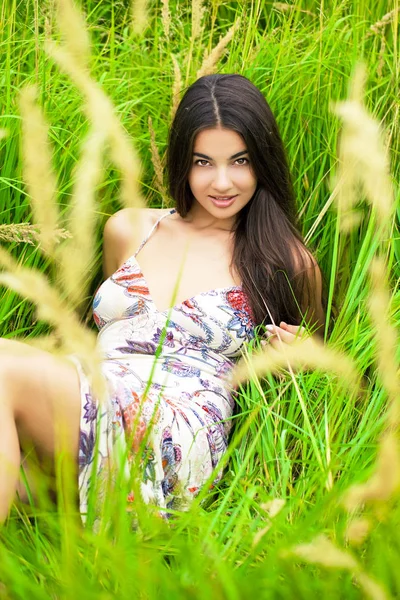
{"x": 230, "y": 158}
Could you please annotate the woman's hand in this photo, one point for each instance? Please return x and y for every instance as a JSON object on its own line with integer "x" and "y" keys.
{"x": 284, "y": 334}
{"x": 280, "y": 344}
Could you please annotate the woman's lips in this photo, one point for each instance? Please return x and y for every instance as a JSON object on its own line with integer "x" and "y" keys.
{"x": 223, "y": 201}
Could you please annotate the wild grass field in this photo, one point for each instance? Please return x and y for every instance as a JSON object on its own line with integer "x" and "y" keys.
{"x": 309, "y": 503}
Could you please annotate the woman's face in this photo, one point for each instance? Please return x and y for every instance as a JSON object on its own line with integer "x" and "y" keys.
{"x": 221, "y": 177}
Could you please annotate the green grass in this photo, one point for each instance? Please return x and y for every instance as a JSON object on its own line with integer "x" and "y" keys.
{"x": 305, "y": 445}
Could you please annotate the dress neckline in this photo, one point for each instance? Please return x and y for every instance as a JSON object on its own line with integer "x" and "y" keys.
{"x": 176, "y": 306}
{"x": 150, "y": 295}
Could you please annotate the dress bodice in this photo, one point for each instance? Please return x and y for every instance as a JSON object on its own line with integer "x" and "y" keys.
{"x": 215, "y": 323}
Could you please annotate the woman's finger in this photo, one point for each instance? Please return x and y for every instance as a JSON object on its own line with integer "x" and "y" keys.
{"x": 296, "y": 330}
{"x": 280, "y": 333}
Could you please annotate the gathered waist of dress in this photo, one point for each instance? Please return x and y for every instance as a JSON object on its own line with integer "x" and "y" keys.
{"x": 182, "y": 365}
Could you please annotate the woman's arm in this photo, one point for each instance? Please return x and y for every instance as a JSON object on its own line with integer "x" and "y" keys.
{"x": 118, "y": 238}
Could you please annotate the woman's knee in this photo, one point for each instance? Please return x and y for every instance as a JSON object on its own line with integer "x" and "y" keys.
{"x": 44, "y": 393}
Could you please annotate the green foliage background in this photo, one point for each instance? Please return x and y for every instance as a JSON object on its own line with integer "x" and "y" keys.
{"x": 301, "y": 55}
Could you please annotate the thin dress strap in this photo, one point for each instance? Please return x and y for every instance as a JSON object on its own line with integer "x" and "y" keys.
{"x": 148, "y": 236}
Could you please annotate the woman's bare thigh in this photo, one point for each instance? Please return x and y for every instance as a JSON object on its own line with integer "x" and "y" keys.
{"x": 44, "y": 392}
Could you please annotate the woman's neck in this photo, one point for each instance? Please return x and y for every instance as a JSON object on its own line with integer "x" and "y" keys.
{"x": 199, "y": 218}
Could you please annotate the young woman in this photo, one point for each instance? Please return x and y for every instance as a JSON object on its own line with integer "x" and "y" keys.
{"x": 175, "y": 313}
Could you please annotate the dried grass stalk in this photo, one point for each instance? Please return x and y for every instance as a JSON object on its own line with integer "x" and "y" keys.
{"x": 48, "y": 28}
{"x": 284, "y": 7}
{"x": 78, "y": 255}
{"x": 124, "y": 157}
{"x": 323, "y": 552}
{"x": 51, "y": 308}
{"x": 291, "y": 7}
{"x": 357, "y": 531}
{"x": 381, "y": 57}
{"x": 365, "y": 166}
{"x": 386, "y": 19}
{"x": 74, "y": 32}
{"x": 105, "y": 126}
{"x": 386, "y": 338}
{"x": 363, "y": 159}
{"x": 371, "y": 588}
{"x": 210, "y": 62}
{"x": 176, "y": 86}
{"x": 48, "y": 343}
{"x": 27, "y": 233}
{"x": 307, "y": 353}
{"x": 385, "y": 481}
{"x": 273, "y": 507}
{"x": 140, "y": 15}
{"x": 38, "y": 169}
{"x": 156, "y": 160}
{"x": 166, "y": 17}
{"x": 100, "y": 112}
{"x": 197, "y": 16}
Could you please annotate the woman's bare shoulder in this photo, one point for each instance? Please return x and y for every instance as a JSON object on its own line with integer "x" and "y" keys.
{"x": 124, "y": 229}
{"x": 119, "y": 225}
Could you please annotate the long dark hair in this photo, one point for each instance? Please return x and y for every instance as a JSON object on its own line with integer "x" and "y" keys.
{"x": 269, "y": 254}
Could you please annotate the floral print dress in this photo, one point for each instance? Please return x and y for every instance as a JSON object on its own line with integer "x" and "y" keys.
{"x": 170, "y": 402}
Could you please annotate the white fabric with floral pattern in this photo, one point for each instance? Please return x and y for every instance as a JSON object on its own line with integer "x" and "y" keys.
{"x": 170, "y": 403}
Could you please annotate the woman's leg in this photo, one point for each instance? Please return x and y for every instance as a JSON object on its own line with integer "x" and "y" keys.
{"x": 39, "y": 409}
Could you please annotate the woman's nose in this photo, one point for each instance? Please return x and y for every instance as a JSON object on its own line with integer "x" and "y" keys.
{"x": 222, "y": 181}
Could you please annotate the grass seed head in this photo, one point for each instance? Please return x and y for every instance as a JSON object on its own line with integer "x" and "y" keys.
{"x": 106, "y": 126}
{"x": 273, "y": 507}
{"x": 176, "y": 86}
{"x": 166, "y": 17}
{"x": 210, "y": 62}
{"x": 28, "y": 233}
{"x": 381, "y": 58}
{"x": 140, "y": 16}
{"x": 385, "y": 336}
{"x": 157, "y": 163}
{"x": 372, "y": 589}
{"x": 381, "y": 24}
{"x": 363, "y": 160}
{"x": 357, "y": 530}
{"x": 124, "y": 157}
{"x": 7, "y": 261}
{"x": 197, "y": 17}
{"x": 38, "y": 168}
{"x": 73, "y": 28}
{"x": 384, "y": 482}
{"x": 48, "y": 343}
{"x": 101, "y": 113}
{"x": 322, "y": 551}
{"x": 307, "y": 353}
{"x": 78, "y": 255}
{"x": 284, "y": 7}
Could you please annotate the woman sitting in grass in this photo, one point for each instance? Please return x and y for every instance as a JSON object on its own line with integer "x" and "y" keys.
{"x": 173, "y": 315}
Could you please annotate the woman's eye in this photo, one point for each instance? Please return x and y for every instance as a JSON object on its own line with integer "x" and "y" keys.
{"x": 202, "y": 162}
{"x": 242, "y": 161}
